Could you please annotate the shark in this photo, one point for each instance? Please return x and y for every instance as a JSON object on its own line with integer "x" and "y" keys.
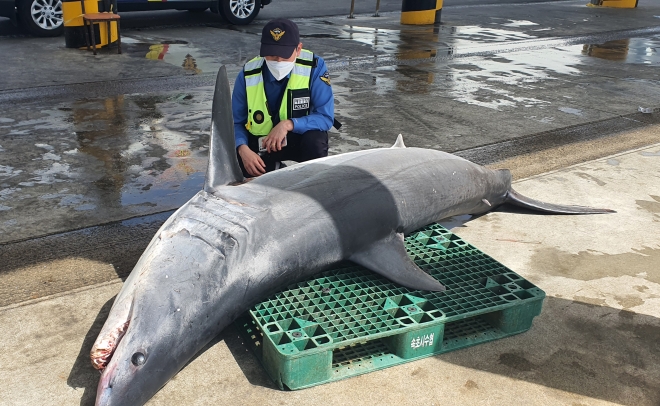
{"x": 235, "y": 243}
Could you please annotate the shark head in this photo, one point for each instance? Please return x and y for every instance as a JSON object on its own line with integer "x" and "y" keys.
{"x": 180, "y": 294}
{"x": 180, "y": 299}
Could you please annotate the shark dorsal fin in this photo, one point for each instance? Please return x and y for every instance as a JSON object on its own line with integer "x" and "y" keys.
{"x": 223, "y": 167}
{"x": 399, "y": 142}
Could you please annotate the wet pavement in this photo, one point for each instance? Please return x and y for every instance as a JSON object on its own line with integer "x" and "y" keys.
{"x": 113, "y": 149}
{"x": 96, "y": 152}
{"x": 98, "y": 160}
{"x": 466, "y": 30}
{"x": 282, "y": 8}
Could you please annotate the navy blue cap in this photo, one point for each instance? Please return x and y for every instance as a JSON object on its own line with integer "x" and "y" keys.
{"x": 280, "y": 37}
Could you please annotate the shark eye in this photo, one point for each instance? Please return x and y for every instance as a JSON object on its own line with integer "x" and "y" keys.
{"x": 138, "y": 359}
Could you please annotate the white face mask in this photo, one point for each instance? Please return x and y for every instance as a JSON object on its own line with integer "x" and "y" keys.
{"x": 280, "y": 69}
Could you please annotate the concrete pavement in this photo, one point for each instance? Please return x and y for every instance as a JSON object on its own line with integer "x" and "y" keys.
{"x": 595, "y": 342}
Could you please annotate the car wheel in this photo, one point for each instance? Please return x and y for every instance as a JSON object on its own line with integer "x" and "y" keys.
{"x": 240, "y": 12}
{"x": 42, "y": 18}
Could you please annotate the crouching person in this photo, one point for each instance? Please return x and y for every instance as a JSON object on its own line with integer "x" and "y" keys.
{"x": 282, "y": 103}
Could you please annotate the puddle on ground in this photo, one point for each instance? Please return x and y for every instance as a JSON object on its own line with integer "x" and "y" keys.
{"x": 496, "y": 81}
{"x": 178, "y": 53}
{"x": 629, "y": 50}
{"x": 493, "y": 81}
{"x": 103, "y": 158}
{"x": 149, "y": 152}
{"x": 519, "y": 23}
{"x": 570, "y": 110}
{"x": 396, "y": 46}
{"x": 416, "y": 42}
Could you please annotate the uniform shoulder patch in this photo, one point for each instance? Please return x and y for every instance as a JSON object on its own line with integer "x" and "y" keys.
{"x": 326, "y": 78}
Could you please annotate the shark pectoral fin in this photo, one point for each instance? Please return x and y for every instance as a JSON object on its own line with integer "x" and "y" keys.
{"x": 223, "y": 168}
{"x": 388, "y": 257}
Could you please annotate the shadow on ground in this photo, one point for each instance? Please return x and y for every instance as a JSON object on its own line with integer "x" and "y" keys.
{"x": 593, "y": 351}
{"x": 82, "y": 374}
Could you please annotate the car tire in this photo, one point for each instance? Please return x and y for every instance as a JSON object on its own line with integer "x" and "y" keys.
{"x": 239, "y": 12}
{"x": 42, "y": 18}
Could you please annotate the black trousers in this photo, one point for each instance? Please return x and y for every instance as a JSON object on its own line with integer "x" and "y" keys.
{"x": 299, "y": 147}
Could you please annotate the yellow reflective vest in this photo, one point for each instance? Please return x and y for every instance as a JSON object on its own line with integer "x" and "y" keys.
{"x": 296, "y": 100}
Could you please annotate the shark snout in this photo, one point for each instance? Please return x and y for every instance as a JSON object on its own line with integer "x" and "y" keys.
{"x": 113, "y": 388}
{"x": 161, "y": 322}
{"x": 104, "y": 390}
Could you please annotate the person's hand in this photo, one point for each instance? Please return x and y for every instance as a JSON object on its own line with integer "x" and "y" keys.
{"x": 252, "y": 162}
{"x": 274, "y": 140}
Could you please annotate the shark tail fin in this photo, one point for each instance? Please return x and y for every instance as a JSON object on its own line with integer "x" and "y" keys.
{"x": 515, "y": 198}
{"x": 223, "y": 168}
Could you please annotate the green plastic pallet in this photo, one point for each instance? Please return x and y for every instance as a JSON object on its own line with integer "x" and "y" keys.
{"x": 349, "y": 321}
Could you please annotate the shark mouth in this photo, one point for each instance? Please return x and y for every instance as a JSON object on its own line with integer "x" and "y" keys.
{"x": 104, "y": 348}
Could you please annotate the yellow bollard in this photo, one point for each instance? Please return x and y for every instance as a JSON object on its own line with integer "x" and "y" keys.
{"x": 614, "y": 3}
{"x": 420, "y": 12}
{"x": 74, "y": 30}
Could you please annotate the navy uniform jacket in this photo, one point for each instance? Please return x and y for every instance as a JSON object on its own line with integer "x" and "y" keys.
{"x": 322, "y": 106}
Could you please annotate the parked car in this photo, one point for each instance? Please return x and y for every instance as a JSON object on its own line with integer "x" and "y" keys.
{"x": 44, "y": 17}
